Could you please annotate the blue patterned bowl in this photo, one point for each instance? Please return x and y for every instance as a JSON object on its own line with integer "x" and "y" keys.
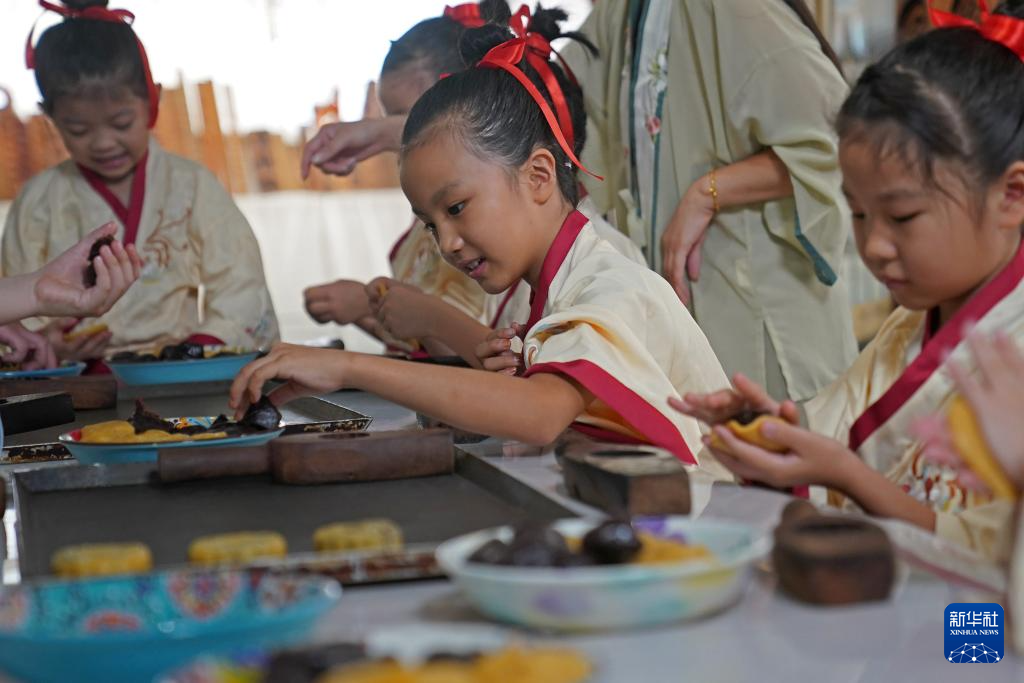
{"x": 133, "y": 628}
{"x": 577, "y": 599}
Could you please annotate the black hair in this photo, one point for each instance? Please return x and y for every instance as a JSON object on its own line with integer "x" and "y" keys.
{"x": 78, "y": 50}
{"x": 433, "y": 44}
{"x": 906, "y": 10}
{"x": 950, "y": 95}
{"x": 493, "y": 114}
{"x": 802, "y": 11}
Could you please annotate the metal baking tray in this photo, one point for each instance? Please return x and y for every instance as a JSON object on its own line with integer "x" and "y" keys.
{"x": 301, "y": 416}
{"x": 94, "y": 504}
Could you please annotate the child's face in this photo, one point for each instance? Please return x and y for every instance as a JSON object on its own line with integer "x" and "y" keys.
{"x": 399, "y": 89}
{"x": 105, "y": 130}
{"x": 927, "y": 247}
{"x": 480, "y": 216}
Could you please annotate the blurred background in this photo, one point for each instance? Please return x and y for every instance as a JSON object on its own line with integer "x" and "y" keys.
{"x": 247, "y": 82}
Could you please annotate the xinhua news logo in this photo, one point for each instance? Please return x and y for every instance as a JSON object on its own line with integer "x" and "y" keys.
{"x": 974, "y": 633}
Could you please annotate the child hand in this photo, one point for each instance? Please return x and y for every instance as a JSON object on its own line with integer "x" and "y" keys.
{"x": 996, "y": 395}
{"x": 496, "y": 354}
{"x": 306, "y": 371}
{"x": 342, "y": 301}
{"x": 812, "y": 458}
{"x": 59, "y": 288}
{"x": 404, "y": 311}
{"x": 721, "y": 406}
{"x": 338, "y": 147}
{"x": 80, "y": 347}
{"x": 28, "y": 348}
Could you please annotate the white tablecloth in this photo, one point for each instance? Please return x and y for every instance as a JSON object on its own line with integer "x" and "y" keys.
{"x": 308, "y": 238}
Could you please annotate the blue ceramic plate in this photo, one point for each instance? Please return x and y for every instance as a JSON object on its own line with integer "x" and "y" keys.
{"x": 181, "y": 371}
{"x": 65, "y": 370}
{"x": 132, "y": 628}
{"x": 116, "y": 454}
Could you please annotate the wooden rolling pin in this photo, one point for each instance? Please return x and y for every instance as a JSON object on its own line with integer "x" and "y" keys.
{"x": 91, "y": 392}
{"x": 319, "y": 458}
{"x": 832, "y": 559}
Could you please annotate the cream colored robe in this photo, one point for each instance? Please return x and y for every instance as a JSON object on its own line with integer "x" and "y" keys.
{"x": 618, "y": 329}
{"x": 893, "y": 382}
{"x": 416, "y": 260}
{"x": 743, "y": 76}
{"x": 191, "y": 235}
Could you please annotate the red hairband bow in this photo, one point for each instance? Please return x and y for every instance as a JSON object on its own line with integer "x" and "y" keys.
{"x": 467, "y": 14}
{"x": 1005, "y": 30}
{"x": 538, "y": 54}
{"x": 116, "y": 16}
{"x": 507, "y": 57}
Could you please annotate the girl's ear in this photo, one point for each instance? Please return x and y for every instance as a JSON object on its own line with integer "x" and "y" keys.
{"x": 539, "y": 175}
{"x": 1011, "y": 197}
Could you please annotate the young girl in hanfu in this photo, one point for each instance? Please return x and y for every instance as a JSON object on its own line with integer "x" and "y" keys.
{"x": 97, "y": 88}
{"x": 427, "y": 299}
{"x": 488, "y": 170}
{"x": 932, "y": 152}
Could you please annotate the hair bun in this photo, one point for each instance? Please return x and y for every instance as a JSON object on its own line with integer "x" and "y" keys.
{"x": 545, "y": 21}
{"x": 84, "y": 4}
{"x": 495, "y": 11}
{"x": 477, "y": 42}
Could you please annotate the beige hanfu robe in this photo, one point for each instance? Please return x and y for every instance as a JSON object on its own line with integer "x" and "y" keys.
{"x": 617, "y": 328}
{"x": 899, "y": 378}
{"x": 187, "y": 229}
{"x": 710, "y": 83}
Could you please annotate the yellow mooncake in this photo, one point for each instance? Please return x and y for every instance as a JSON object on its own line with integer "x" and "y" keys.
{"x": 101, "y": 559}
{"x": 238, "y": 547}
{"x": 367, "y": 534}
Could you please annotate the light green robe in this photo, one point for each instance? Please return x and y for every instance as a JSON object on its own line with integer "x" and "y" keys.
{"x": 743, "y": 76}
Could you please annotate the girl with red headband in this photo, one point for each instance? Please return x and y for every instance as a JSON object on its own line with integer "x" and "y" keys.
{"x": 932, "y": 153}
{"x": 426, "y": 299}
{"x": 488, "y": 169}
{"x": 96, "y": 87}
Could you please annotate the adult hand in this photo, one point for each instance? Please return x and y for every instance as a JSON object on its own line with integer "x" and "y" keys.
{"x": 996, "y": 395}
{"x": 496, "y": 353}
{"x": 721, "y": 406}
{"x": 684, "y": 236}
{"x": 75, "y": 347}
{"x": 306, "y": 371}
{"x": 342, "y": 301}
{"x": 29, "y": 349}
{"x": 59, "y": 288}
{"x": 338, "y": 147}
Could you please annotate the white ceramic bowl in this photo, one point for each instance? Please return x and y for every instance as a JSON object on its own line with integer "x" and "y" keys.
{"x": 616, "y": 596}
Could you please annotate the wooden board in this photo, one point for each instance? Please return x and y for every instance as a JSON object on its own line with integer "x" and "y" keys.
{"x": 90, "y": 392}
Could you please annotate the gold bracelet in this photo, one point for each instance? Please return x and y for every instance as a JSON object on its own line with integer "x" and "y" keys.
{"x": 713, "y": 189}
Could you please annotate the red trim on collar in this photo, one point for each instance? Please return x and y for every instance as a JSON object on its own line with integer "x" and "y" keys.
{"x": 559, "y": 250}
{"x": 393, "y": 254}
{"x": 634, "y": 409}
{"x": 935, "y": 349}
{"x": 130, "y": 215}
{"x": 504, "y": 304}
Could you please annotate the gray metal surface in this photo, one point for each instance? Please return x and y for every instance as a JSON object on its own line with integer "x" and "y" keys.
{"x": 90, "y": 504}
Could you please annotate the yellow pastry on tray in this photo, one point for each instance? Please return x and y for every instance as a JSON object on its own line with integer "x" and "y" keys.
{"x": 122, "y": 431}
{"x": 509, "y": 665}
{"x": 970, "y": 444}
{"x": 101, "y": 559}
{"x": 367, "y": 534}
{"x": 748, "y": 428}
{"x": 238, "y": 547}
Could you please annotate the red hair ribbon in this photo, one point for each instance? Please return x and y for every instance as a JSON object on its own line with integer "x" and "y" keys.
{"x": 116, "y": 16}
{"x": 467, "y": 14}
{"x": 1005, "y": 30}
{"x": 507, "y": 57}
{"x": 538, "y": 54}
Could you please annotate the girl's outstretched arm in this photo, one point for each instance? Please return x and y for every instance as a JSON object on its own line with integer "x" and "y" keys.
{"x": 534, "y": 410}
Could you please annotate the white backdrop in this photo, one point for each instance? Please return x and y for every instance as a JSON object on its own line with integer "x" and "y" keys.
{"x": 279, "y": 57}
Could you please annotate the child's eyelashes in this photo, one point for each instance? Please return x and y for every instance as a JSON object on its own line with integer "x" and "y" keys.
{"x": 906, "y": 218}
{"x": 431, "y": 228}
{"x": 456, "y": 209}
